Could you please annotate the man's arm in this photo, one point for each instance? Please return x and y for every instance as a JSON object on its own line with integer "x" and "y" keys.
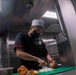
{"x": 26, "y": 56}
{"x": 52, "y": 63}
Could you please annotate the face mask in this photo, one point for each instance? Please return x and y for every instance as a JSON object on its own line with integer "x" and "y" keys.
{"x": 34, "y": 34}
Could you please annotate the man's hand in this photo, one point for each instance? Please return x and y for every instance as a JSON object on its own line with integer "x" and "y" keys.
{"x": 52, "y": 63}
{"x": 42, "y": 62}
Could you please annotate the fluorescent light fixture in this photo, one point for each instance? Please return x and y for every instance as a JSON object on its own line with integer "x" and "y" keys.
{"x": 50, "y": 14}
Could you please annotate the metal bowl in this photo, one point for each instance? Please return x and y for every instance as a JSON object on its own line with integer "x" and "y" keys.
{"x": 6, "y": 71}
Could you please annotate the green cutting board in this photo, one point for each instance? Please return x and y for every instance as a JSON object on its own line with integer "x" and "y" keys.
{"x": 55, "y": 71}
{"x": 15, "y": 74}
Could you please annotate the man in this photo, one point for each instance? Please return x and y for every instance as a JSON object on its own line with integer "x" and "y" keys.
{"x": 30, "y": 49}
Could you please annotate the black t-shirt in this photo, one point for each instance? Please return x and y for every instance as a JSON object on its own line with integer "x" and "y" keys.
{"x": 34, "y": 47}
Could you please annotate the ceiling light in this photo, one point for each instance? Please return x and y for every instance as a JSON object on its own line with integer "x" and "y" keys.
{"x": 49, "y": 14}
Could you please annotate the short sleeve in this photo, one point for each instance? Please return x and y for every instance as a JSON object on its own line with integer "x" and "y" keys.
{"x": 18, "y": 42}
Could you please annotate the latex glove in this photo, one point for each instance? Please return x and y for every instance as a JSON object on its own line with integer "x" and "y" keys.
{"x": 42, "y": 62}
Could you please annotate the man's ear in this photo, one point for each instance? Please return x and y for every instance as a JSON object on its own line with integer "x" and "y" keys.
{"x": 31, "y": 27}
